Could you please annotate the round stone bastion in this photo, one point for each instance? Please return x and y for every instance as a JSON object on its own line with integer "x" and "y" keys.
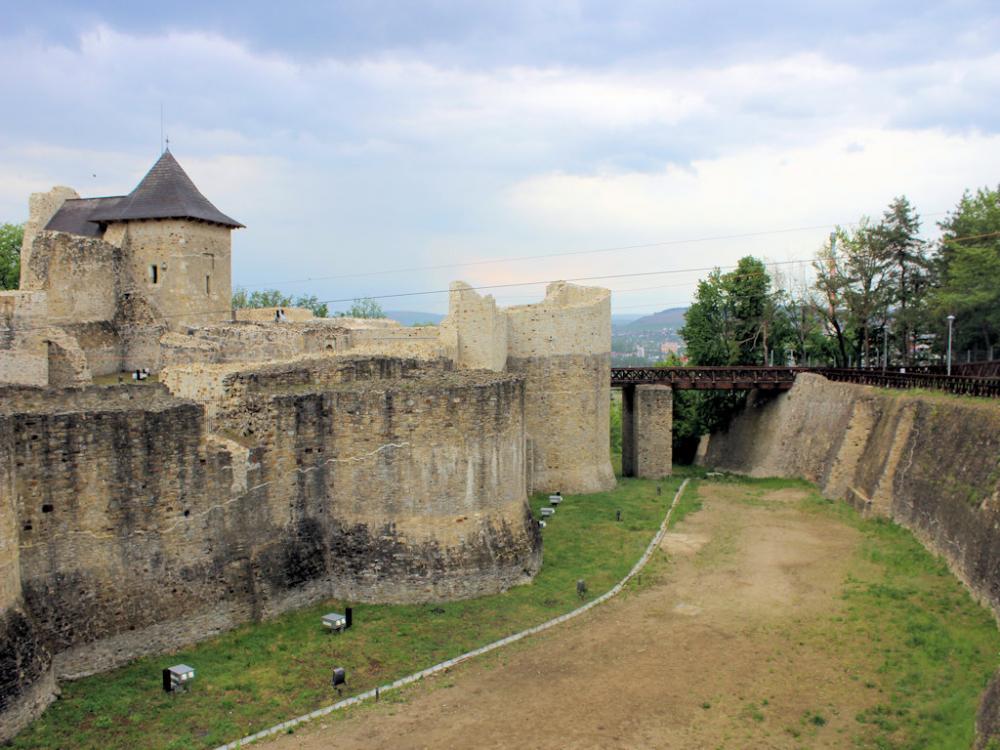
{"x": 418, "y": 485}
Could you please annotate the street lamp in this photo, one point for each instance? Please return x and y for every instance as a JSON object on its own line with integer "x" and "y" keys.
{"x": 951, "y": 319}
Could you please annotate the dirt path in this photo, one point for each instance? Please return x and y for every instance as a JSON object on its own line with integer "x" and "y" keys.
{"x": 721, "y": 652}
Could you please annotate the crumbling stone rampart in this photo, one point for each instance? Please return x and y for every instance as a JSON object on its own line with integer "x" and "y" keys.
{"x": 41, "y": 208}
{"x": 284, "y": 459}
{"x": 27, "y": 685}
{"x": 88, "y": 266}
{"x": 23, "y": 352}
{"x": 562, "y": 348}
{"x": 135, "y": 521}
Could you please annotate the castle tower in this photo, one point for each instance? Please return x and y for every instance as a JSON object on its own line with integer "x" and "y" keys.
{"x": 176, "y": 246}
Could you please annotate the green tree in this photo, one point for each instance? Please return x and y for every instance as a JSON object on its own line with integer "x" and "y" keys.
{"x": 11, "y": 236}
{"x": 708, "y": 329}
{"x": 274, "y": 298}
{"x": 967, "y": 273}
{"x": 616, "y": 424}
{"x": 733, "y": 317}
{"x": 311, "y": 302}
{"x": 365, "y": 307}
{"x": 732, "y": 321}
{"x": 260, "y": 298}
{"x": 908, "y": 272}
{"x": 867, "y": 294}
{"x": 971, "y": 293}
{"x": 828, "y": 302}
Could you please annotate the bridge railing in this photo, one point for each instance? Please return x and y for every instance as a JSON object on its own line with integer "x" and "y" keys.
{"x": 707, "y": 378}
{"x": 959, "y": 384}
{"x": 782, "y": 378}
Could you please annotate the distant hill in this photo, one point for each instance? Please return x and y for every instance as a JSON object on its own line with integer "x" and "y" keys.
{"x": 409, "y": 317}
{"x": 620, "y": 321}
{"x": 672, "y": 317}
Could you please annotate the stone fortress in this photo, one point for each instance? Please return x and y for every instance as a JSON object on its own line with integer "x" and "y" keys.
{"x": 274, "y": 463}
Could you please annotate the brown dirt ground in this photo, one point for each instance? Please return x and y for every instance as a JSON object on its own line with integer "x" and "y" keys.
{"x": 729, "y": 647}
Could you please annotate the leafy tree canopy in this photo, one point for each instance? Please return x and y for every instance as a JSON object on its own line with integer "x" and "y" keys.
{"x": 365, "y": 307}
{"x": 274, "y": 298}
{"x": 11, "y": 236}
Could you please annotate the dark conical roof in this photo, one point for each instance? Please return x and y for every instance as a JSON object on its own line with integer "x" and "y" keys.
{"x": 166, "y": 192}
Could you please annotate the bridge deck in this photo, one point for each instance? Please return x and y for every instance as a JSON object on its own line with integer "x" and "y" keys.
{"x": 782, "y": 378}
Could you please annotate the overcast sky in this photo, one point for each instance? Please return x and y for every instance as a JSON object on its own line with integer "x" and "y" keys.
{"x": 372, "y": 142}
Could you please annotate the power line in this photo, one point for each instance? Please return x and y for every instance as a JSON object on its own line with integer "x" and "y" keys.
{"x": 536, "y": 283}
{"x": 620, "y": 248}
{"x": 700, "y": 269}
{"x": 477, "y": 288}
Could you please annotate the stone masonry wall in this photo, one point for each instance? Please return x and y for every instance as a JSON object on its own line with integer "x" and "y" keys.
{"x": 647, "y": 431}
{"x": 137, "y": 530}
{"x": 562, "y": 348}
{"x": 80, "y": 275}
{"x": 267, "y": 314}
{"x": 27, "y": 685}
{"x": 475, "y": 330}
{"x": 41, "y": 208}
{"x": 23, "y": 352}
{"x": 193, "y": 280}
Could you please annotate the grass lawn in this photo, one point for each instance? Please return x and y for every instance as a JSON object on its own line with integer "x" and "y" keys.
{"x": 922, "y": 643}
{"x": 910, "y": 635}
{"x": 261, "y": 674}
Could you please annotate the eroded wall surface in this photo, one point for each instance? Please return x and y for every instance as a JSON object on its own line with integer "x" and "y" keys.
{"x": 80, "y": 275}
{"x": 562, "y": 348}
{"x": 41, "y": 208}
{"x": 135, "y": 521}
{"x": 23, "y": 352}
{"x": 27, "y": 685}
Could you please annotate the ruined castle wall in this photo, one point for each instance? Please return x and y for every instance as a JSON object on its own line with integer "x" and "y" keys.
{"x": 138, "y": 532}
{"x": 248, "y": 341}
{"x": 397, "y": 341}
{"x": 101, "y": 343}
{"x": 398, "y": 489}
{"x": 23, "y": 352}
{"x": 562, "y": 348}
{"x": 41, "y": 208}
{"x": 80, "y": 275}
{"x": 192, "y": 283}
{"x": 475, "y": 330}
{"x": 230, "y": 388}
{"x": 27, "y": 685}
{"x": 931, "y": 463}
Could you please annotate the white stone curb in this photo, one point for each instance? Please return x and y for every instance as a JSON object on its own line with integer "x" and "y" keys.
{"x": 347, "y": 702}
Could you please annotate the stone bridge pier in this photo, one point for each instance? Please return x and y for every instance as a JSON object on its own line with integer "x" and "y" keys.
{"x": 647, "y": 430}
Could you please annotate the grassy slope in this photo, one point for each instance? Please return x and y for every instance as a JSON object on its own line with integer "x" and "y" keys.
{"x": 258, "y": 675}
{"x": 910, "y": 633}
{"x": 925, "y": 645}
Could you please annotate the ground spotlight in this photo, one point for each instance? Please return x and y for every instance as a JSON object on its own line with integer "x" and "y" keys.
{"x": 177, "y": 678}
{"x": 337, "y": 622}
